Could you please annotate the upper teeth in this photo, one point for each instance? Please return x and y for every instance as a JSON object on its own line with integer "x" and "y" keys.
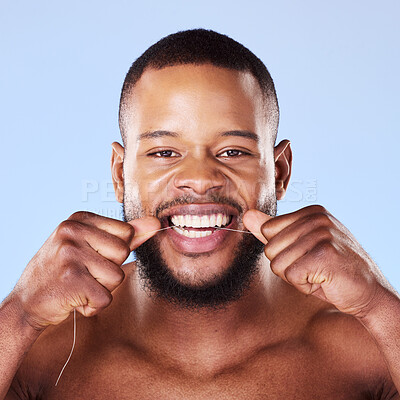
{"x": 200, "y": 221}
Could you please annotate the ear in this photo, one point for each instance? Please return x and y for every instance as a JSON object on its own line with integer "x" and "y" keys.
{"x": 117, "y": 170}
{"x": 283, "y": 167}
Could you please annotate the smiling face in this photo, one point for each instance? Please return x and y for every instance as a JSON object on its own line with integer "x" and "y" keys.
{"x": 198, "y": 155}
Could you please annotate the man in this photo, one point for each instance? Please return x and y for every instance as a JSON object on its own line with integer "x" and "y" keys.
{"x": 228, "y": 301}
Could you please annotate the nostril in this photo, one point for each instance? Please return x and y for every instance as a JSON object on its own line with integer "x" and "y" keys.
{"x": 199, "y": 180}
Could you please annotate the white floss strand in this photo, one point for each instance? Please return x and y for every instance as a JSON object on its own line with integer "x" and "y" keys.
{"x": 72, "y": 350}
{"x": 157, "y": 230}
{"x": 233, "y": 230}
{"x": 169, "y": 227}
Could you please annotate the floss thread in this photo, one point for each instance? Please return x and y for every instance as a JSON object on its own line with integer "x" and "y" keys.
{"x": 72, "y": 350}
{"x": 169, "y": 227}
{"x": 74, "y": 341}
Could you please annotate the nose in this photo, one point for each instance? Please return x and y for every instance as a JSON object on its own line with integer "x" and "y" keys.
{"x": 199, "y": 176}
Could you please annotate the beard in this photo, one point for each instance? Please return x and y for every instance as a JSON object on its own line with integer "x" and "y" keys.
{"x": 157, "y": 279}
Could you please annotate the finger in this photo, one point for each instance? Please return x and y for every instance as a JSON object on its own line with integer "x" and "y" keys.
{"x": 98, "y": 298}
{"x": 88, "y": 236}
{"x": 308, "y": 274}
{"x": 107, "y": 273}
{"x": 277, "y": 224}
{"x": 295, "y": 231}
{"x": 253, "y": 220}
{"x": 89, "y": 295}
{"x": 296, "y": 250}
{"x": 115, "y": 227}
{"x": 144, "y": 229}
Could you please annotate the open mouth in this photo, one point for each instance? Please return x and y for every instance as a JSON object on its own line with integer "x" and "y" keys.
{"x": 198, "y": 226}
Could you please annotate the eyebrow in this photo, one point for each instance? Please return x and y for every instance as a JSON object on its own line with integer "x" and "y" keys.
{"x": 161, "y": 133}
{"x": 245, "y": 134}
{"x": 156, "y": 134}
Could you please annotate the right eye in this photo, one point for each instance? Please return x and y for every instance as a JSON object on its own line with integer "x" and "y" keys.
{"x": 164, "y": 154}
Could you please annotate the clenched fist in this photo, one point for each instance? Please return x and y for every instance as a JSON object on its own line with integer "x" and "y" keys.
{"x": 78, "y": 267}
{"x": 314, "y": 252}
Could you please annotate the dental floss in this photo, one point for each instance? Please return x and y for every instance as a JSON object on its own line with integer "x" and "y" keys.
{"x": 73, "y": 343}
{"x": 72, "y": 349}
{"x": 233, "y": 230}
{"x": 169, "y": 227}
{"x": 157, "y": 230}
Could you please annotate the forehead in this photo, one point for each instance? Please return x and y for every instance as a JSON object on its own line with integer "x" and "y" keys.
{"x": 194, "y": 96}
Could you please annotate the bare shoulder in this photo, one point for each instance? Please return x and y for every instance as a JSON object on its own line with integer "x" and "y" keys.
{"x": 346, "y": 343}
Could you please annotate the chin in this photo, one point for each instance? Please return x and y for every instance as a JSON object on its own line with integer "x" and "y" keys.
{"x": 194, "y": 281}
{"x": 199, "y": 270}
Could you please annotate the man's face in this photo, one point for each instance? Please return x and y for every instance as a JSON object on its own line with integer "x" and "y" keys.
{"x": 198, "y": 155}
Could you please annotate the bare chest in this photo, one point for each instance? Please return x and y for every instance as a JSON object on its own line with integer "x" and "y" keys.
{"x": 273, "y": 375}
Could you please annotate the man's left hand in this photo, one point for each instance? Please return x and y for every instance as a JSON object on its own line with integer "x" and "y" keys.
{"x": 314, "y": 252}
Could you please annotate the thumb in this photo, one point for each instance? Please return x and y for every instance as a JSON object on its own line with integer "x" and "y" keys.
{"x": 253, "y": 220}
{"x": 145, "y": 228}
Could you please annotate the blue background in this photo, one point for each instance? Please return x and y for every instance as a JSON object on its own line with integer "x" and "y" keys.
{"x": 336, "y": 69}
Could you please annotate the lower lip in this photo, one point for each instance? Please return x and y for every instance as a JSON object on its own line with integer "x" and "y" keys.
{"x": 199, "y": 245}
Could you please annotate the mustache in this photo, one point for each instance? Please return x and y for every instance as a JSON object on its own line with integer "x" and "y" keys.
{"x": 190, "y": 199}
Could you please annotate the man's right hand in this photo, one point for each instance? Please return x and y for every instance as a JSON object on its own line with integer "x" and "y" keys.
{"x": 78, "y": 267}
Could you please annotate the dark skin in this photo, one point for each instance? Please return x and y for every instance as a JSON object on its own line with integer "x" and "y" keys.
{"x": 284, "y": 339}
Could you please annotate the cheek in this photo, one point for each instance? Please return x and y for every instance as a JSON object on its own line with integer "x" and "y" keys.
{"x": 150, "y": 192}
{"x": 255, "y": 185}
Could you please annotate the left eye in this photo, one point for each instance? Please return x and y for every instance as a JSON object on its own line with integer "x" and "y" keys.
{"x": 165, "y": 154}
{"x": 232, "y": 153}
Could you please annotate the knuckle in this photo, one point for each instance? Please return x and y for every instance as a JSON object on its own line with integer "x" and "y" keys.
{"x": 323, "y": 248}
{"x": 67, "y": 228}
{"x": 98, "y": 297}
{"x": 70, "y": 273}
{"x": 264, "y": 227}
{"x": 118, "y": 276}
{"x": 317, "y": 208}
{"x": 317, "y": 219}
{"x": 268, "y": 250}
{"x": 322, "y": 219}
{"x": 120, "y": 252}
{"x": 274, "y": 265}
{"x": 90, "y": 312}
{"x": 128, "y": 232}
{"x": 125, "y": 252}
{"x": 67, "y": 250}
{"x": 81, "y": 216}
{"x": 291, "y": 273}
{"x": 324, "y": 233}
{"x": 104, "y": 299}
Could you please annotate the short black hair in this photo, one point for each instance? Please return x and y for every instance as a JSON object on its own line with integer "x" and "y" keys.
{"x": 201, "y": 46}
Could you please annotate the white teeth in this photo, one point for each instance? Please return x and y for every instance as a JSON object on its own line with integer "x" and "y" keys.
{"x": 191, "y": 233}
{"x": 175, "y": 220}
{"x": 213, "y": 219}
{"x": 176, "y": 229}
{"x": 196, "y": 223}
{"x": 205, "y": 221}
{"x": 200, "y": 221}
